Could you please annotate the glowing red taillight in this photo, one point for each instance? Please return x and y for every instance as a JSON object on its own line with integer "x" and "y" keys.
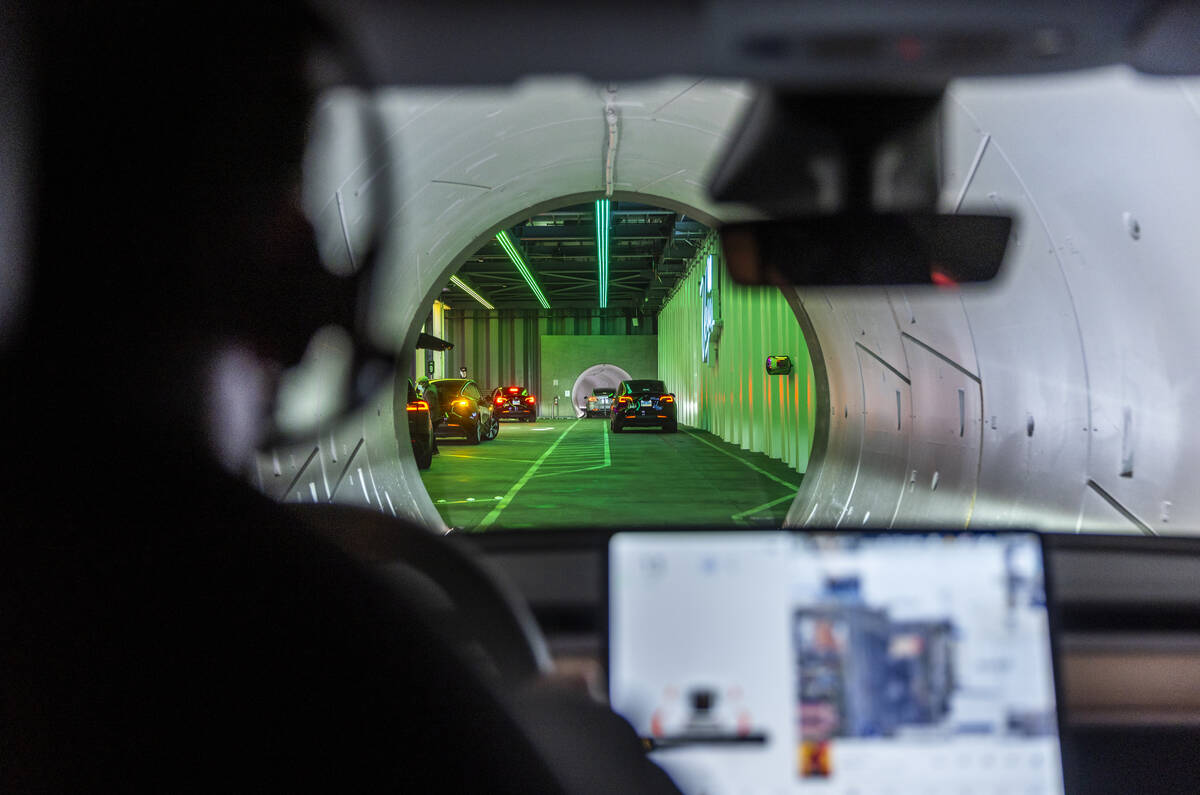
{"x": 667, "y": 398}
{"x": 499, "y": 401}
{"x": 624, "y": 399}
{"x": 512, "y": 390}
{"x": 418, "y": 405}
{"x": 531, "y": 399}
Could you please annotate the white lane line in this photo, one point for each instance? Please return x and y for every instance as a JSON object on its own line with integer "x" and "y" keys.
{"x": 739, "y": 516}
{"x": 567, "y": 459}
{"x": 757, "y": 469}
{"x": 533, "y": 468}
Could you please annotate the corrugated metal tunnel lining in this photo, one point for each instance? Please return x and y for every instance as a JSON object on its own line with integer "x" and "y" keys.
{"x": 1057, "y": 398}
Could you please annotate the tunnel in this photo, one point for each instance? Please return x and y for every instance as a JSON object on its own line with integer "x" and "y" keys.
{"x": 598, "y": 375}
{"x": 1056, "y": 398}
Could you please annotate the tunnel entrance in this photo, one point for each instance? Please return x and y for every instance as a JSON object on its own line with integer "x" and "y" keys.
{"x": 564, "y": 299}
{"x": 598, "y": 375}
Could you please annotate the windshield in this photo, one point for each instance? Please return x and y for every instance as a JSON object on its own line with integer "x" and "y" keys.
{"x": 644, "y": 387}
{"x": 1054, "y": 398}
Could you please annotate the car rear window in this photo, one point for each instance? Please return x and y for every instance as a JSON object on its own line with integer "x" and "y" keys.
{"x": 647, "y": 386}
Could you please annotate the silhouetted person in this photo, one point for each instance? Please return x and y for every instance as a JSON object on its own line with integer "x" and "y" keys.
{"x": 164, "y": 627}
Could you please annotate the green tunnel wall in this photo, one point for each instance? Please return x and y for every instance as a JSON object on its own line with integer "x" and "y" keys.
{"x": 731, "y": 395}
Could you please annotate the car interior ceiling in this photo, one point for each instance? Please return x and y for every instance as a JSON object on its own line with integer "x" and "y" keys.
{"x": 439, "y": 682}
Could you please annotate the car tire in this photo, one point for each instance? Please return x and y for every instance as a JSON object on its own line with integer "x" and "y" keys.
{"x": 493, "y": 430}
{"x": 671, "y": 427}
{"x": 616, "y": 427}
{"x": 474, "y": 434}
{"x": 423, "y": 452}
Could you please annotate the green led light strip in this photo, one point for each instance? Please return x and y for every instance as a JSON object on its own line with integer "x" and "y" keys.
{"x": 463, "y": 286}
{"x": 602, "y": 224}
{"x": 517, "y": 260}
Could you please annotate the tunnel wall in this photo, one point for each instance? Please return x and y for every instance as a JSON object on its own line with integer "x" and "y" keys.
{"x": 731, "y": 395}
{"x": 1061, "y": 397}
{"x": 500, "y": 348}
{"x": 496, "y": 350}
{"x": 467, "y": 162}
{"x": 353, "y": 461}
{"x": 565, "y": 357}
{"x": 1092, "y": 330}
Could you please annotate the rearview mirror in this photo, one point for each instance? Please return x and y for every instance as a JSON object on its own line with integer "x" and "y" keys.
{"x": 779, "y": 365}
{"x": 867, "y": 249}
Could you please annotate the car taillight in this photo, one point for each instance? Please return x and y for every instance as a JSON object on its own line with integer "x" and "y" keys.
{"x": 531, "y": 399}
{"x": 418, "y": 405}
{"x": 624, "y": 399}
{"x": 499, "y": 401}
{"x": 512, "y": 390}
{"x": 462, "y": 403}
{"x": 667, "y": 398}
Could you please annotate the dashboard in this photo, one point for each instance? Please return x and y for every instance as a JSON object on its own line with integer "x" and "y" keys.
{"x": 1127, "y": 640}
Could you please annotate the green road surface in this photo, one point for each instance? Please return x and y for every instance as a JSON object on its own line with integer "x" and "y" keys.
{"x": 576, "y": 473}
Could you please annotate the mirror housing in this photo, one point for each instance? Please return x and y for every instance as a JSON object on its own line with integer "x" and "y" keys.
{"x": 867, "y": 249}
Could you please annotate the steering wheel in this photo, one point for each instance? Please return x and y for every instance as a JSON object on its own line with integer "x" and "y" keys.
{"x": 451, "y": 582}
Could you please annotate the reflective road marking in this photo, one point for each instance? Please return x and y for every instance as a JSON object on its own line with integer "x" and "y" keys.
{"x": 533, "y": 468}
{"x": 759, "y": 470}
{"x": 737, "y": 517}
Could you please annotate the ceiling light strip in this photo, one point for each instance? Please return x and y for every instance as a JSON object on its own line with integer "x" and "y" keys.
{"x": 463, "y": 286}
{"x": 519, "y": 261}
{"x": 603, "y": 219}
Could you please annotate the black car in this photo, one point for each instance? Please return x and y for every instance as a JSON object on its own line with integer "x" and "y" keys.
{"x": 514, "y": 402}
{"x": 420, "y": 428}
{"x": 599, "y": 403}
{"x": 459, "y": 409}
{"x": 644, "y": 402}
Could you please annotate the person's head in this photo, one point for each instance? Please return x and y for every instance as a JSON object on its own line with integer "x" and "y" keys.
{"x": 169, "y": 230}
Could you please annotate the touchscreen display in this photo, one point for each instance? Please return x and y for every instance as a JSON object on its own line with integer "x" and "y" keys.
{"x": 851, "y": 663}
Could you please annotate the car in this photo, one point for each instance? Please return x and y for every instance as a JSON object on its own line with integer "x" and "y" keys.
{"x": 514, "y": 402}
{"x": 644, "y": 403}
{"x": 420, "y": 428}
{"x": 599, "y": 403}
{"x": 460, "y": 410}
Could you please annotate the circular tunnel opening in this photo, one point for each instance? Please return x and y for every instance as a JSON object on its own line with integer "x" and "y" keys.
{"x": 525, "y": 306}
{"x": 594, "y": 377}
